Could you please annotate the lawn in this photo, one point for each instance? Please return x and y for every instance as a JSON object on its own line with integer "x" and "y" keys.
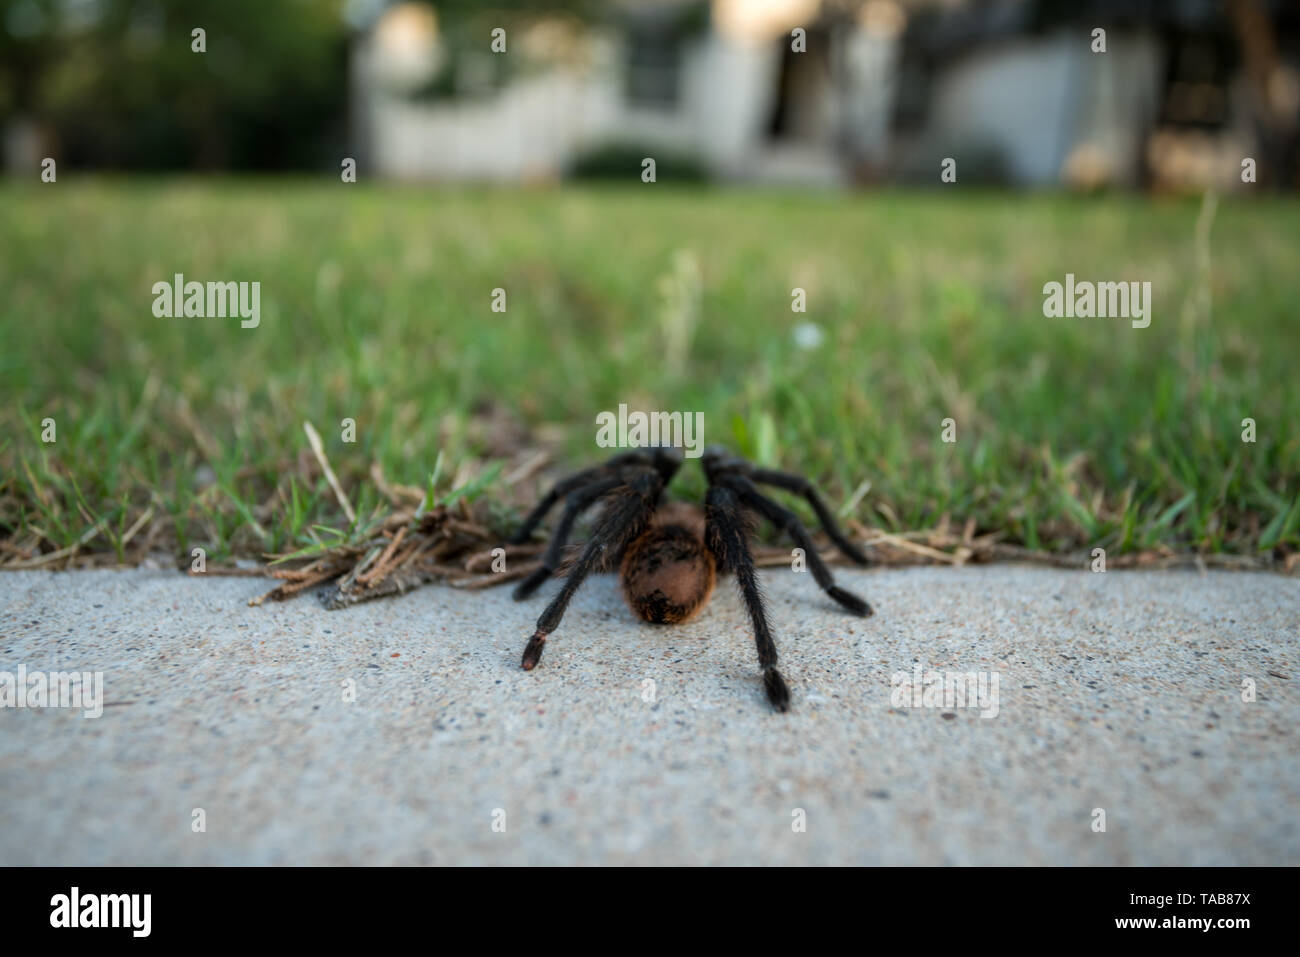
{"x": 376, "y": 306}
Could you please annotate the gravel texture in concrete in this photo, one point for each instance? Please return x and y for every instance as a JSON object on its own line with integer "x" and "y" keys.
{"x": 1162, "y": 704}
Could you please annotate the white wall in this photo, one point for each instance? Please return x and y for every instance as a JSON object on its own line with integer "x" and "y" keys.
{"x": 535, "y": 127}
{"x": 1039, "y": 100}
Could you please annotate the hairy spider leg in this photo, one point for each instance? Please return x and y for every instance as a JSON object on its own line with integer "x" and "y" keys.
{"x": 558, "y": 491}
{"x": 787, "y": 520}
{"x": 726, "y": 533}
{"x": 801, "y": 486}
{"x": 586, "y": 476}
{"x": 627, "y": 511}
{"x": 578, "y": 501}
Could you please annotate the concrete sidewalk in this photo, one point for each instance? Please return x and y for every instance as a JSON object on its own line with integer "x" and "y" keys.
{"x": 1119, "y": 691}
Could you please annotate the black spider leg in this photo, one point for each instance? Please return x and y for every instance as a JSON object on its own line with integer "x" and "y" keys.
{"x": 578, "y": 501}
{"x": 627, "y": 510}
{"x": 726, "y": 531}
{"x": 801, "y": 486}
{"x": 557, "y": 492}
{"x": 788, "y": 521}
{"x": 576, "y": 481}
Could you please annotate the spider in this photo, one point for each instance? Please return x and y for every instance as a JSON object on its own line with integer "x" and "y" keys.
{"x": 669, "y": 554}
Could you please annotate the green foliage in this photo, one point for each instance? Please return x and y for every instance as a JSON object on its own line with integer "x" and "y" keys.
{"x": 622, "y": 162}
{"x": 117, "y": 82}
{"x": 376, "y": 306}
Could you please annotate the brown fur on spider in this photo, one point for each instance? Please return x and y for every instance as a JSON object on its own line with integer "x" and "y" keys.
{"x": 670, "y": 554}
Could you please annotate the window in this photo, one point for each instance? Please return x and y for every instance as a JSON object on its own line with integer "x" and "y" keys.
{"x": 653, "y": 68}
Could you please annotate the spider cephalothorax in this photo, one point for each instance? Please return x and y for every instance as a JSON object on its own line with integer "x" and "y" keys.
{"x": 670, "y": 554}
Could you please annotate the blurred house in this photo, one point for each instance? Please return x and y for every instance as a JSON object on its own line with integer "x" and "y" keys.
{"x": 1017, "y": 100}
{"x": 1175, "y": 99}
{"x": 833, "y": 91}
{"x": 720, "y": 82}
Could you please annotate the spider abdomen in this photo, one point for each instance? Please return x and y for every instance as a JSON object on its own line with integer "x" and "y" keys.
{"x": 668, "y": 573}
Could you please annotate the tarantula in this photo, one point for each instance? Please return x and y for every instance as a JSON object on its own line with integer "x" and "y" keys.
{"x": 670, "y": 554}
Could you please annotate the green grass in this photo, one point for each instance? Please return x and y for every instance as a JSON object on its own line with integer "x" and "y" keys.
{"x": 376, "y": 306}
